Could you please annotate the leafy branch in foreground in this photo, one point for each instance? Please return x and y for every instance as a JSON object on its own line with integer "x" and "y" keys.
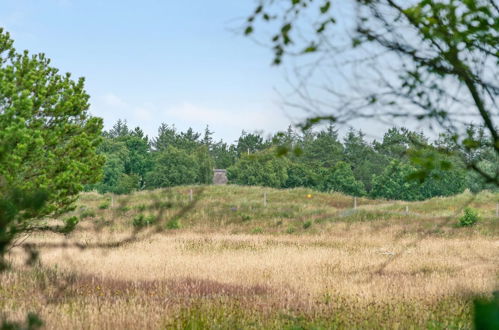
{"x": 433, "y": 61}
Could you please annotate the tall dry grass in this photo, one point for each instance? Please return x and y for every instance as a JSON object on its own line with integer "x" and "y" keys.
{"x": 366, "y": 269}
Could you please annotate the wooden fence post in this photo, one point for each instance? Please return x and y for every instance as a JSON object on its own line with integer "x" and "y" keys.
{"x": 190, "y": 195}
{"x": 354, "y": 203}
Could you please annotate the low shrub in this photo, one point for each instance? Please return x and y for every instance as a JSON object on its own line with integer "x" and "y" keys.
{"x": 141, "y": 220}
{"x": 307, "y": 224}
{"x": 173, "y": 224}
{"x": 246, "y": 217}
{"x": 257, "y": 230}
{"x": 87, "y": 214}
{"x": 123, "y": 209}
{"x": 469, "y": 218}
{"x": 69, "y": 224}
{"x": 104, "y": 205}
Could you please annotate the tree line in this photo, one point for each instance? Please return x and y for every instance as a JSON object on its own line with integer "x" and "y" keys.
{"x": 394, "y": 167}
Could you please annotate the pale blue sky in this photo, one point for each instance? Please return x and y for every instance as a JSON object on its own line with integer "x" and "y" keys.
{"x": 152, "y": 61}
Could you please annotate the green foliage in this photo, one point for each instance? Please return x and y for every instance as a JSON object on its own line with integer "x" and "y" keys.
{"x": 300, "y": 175}
{"x": 257, "y": 230}
{"x": 173, "y": 167}
{"x": 17, "y": 208}
{"x": 249, "y": 143}
{"x": 245, "y": 217}
{"x": 33, "y": 322}
{"x": 322, "y": 149}
{"x": 128, "y": 159}
{"x": 394, "y": 183}
{"x": 404, "y": 161}
{"x": 205, "y": 164}
{"x": 124, "y": 209}
{"x": 141, "y": 220}
{"x": 363, "y": 158}
{"x": 87, "y": 214}
{"x": 47, "y": 138}
{"x": 307, "y": 224}
{"x": 260, "y": 169}
{"x": 224, "y": 155}
{"x": 441, "y": 42}
{"x": 173, "y": 224}
{"x": 70, "y": 224}
{"x": 104, "y": 205}
{"x": 340, "y": 178}
{"x": 469, "y": 218}
{"x": 486, "y": 313}
{"x": 126, "y": 184}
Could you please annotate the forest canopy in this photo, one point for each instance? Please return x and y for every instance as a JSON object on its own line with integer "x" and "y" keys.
{"x": 315, "y": 158}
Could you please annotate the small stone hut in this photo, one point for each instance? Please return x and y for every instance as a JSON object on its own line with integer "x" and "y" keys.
{"x": 220, "y": 176}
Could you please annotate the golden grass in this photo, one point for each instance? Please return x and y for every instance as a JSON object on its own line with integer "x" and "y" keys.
{"x": 345, "y": 271}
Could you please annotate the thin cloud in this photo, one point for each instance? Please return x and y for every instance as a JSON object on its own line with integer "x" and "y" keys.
{"x": 266, "y": 119}
{"x": 114, "y": 101}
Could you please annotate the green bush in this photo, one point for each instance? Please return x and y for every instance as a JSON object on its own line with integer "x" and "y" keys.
{"x": 173, "y": 224}
{"x": 87, "y": 214}
{"x": 69, "y": 224}
{"x": 173, "y": 167}
{"x": 260, "y": 169}
{"x": 307, "y": 224}
{"x": 246, "y": 217}
{"x": 141, "y": 220}
{"x": 104, "y": 205}
{"x": 257, "y": 230}
{"x": 124, "y": 209}
{"x": 469, "y": 218}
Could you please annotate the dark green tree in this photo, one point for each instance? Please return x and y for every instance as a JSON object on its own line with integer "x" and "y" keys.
{"x": 362, "y": 157}
{"x": 115, "y": 154}
{"x": 139, "y": 160}
{"x": 394, "y": 183}
{"x": 205, "y": 164}
{"x": 324, "y": 149}
{"x": 300, "y": 175}
{"x": 396, "y": 142}
{"x": 340, "y": 178}
{"x": 207, "y": 137}
{"x": 48, "y": 141}
{"x": 167, "y": 136}
{"x": 263, "y": 168}
{"x": 224, "y": 155}
{"x": 173, "y": 167}
{"x": 249, "y": 143}
{"x": 188, "y": 140}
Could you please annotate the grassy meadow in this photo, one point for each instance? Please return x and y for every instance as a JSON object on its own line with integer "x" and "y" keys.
{"x": 233, "y": 257}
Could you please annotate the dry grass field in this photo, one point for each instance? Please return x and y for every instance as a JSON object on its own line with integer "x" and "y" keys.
{"x": 227, "y": 261}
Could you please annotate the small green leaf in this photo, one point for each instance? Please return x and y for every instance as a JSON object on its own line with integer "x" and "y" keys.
{"x": 324, "y": 9}
{"x": 248, "y": 30}
{"x": 310, "y": 49}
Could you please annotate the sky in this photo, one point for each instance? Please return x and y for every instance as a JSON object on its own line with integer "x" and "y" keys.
{"x": 183, "y": 63}
{"x": 152, "y": 61}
